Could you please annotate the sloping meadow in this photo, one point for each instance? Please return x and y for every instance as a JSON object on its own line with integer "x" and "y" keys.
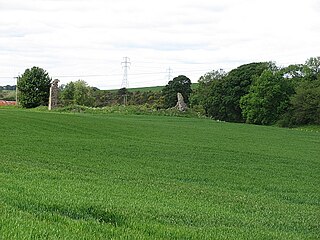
{"x": 103, "y": 176}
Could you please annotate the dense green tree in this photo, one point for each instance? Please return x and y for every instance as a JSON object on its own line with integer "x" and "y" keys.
{"x": 294, "y": 73}
{"x": 33, "y": 88}
{"x": 312, "y": 68}
{"x": 268, "y": 98}
{"x": 109, "y": 98}
{"x": 150, "y": 98}
{"x": 224, "y": 100}
{"x": 201, "y": 95}
{"x": 122, "y": 91}
{"x": 77, "y": 93}
{"x": 122, "y": 96}
{"x": 83, "y": 94}
{"x": 306, "y": 104}
{"x": 105, "y": 98}
{"x": 67, "y": 93}
{"x": 180, "y": 84}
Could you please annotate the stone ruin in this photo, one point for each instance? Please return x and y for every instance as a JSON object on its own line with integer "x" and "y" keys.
{"x": 181, "y": 105}
{"x": 53, "y": 97}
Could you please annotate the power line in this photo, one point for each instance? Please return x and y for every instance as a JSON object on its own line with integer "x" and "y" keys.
{"x": 119, "y": 74}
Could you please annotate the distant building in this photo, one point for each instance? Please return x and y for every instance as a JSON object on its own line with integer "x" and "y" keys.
{"x": 7, "y": 103}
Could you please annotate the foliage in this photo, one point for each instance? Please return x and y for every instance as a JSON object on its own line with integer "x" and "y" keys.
{"x": 202, "y": 94}
{"x": 312, "y": 68}
{"x": 224, "y": 101}
{"x": 111, "y": 98}
{"x": 294, "y": 73}
{"x": 33, "y": 87}
{"x": 8, "y": 95}
{"x": 110, "y": 176}
{"x": 77, "y": 93}
{"x": 180, "y": 84}
{"x": 129, "y": 109}
{"x": 267, "y": 100}
{"x": 67, "y": 93}
{"x": 306, "y": 104}
{"x": 106, "y": 98}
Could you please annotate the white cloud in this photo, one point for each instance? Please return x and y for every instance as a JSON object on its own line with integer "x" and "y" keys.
{"x": 69, "y": 37}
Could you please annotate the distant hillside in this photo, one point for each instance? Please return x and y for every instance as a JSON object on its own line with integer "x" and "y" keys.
{"x": 146, "y": 89}
{"x": 152, "y": 89}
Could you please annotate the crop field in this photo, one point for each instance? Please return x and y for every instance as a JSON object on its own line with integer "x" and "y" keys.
{"x": 109, "y": 176}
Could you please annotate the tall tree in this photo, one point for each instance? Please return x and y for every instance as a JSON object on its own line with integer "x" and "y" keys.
{"x": 33, "y": 88}
{"x": 77, "y": 93}
{"x": 306, "y": 104}
{"x": 180, "y": 84}
{"x": 268, "y": 98}
{"x": 201, "y": 95}
{"x": 294, "y": 73}
{"x": 224, "y": 100}
{"x": 312, "y": 68}
{"x": 67, "y": 93}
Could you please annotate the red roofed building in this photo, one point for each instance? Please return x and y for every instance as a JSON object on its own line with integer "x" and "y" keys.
{"x": 7, "y": 103}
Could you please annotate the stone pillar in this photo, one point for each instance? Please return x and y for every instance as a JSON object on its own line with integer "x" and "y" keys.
{"x": 53, "y": 97}
{"x": 181, "y": 105}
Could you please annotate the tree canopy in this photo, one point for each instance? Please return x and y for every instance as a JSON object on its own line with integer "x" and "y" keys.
{"x": 306, "y": 104}
{"x": 180, "y": 84}
{"x": 224, "y": 100}
{"x": 267, "y": 100}
{"x": 78, "y": 92}
{"x": 33, "y": 87}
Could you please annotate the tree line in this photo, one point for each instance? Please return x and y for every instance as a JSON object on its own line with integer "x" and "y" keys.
{"x": 262, "y": 93}
{"x": 8, "y": 87}
{"x": 258, "y": 93}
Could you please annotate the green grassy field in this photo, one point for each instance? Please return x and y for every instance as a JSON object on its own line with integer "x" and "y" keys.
{"x": 108, "y": 176}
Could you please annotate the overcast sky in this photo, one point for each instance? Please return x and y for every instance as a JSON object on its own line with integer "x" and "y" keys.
{"x": 87, "y": 39}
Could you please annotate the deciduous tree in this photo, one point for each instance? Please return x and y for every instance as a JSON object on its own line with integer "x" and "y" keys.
{"x": 33, "y": 88}
{"x": 180, "y": 84}
{"x": 77, "y": 93}
{"x": 268, "y": 98}
{"x": 306, "y": 104}
{"x": 224, "y": 101}
{"x": 201, "y": 96}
